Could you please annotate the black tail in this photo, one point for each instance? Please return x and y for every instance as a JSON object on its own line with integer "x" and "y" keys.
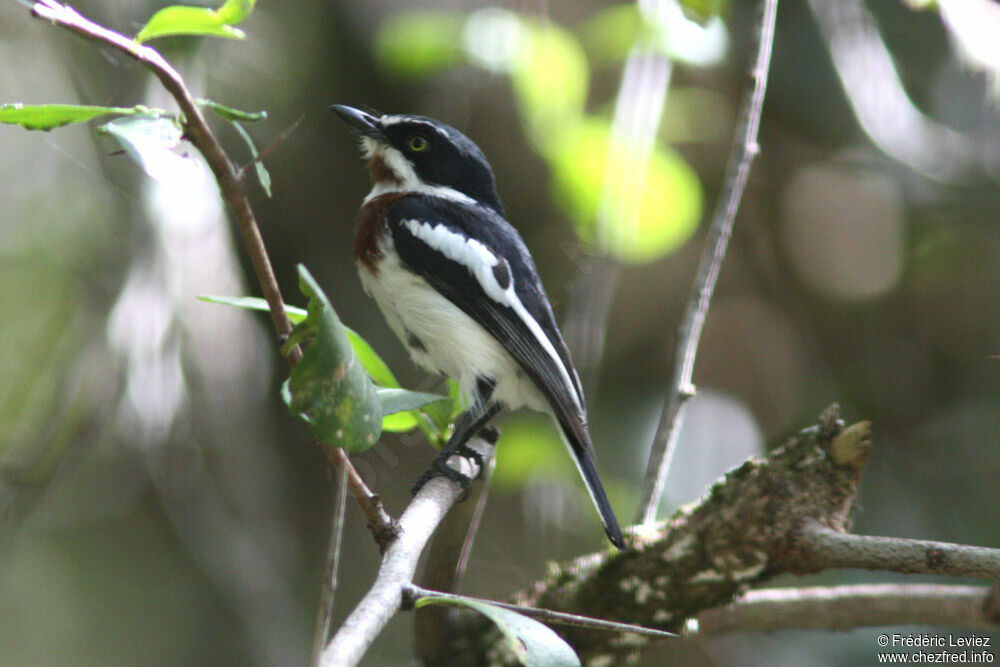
{"x": 582, "y": 451}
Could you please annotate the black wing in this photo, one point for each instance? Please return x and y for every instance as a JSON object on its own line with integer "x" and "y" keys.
{"x": 477, "y": 260}
{"x": 471, "y": 284}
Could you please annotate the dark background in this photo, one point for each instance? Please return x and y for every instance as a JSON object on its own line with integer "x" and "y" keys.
{"x": 160, "y": 506}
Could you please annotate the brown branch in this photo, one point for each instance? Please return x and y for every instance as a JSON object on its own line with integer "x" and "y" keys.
{"x": 233, "y": 192}
{"x": 846, "y": 607}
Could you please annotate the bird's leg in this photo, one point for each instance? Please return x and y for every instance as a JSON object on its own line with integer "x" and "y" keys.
{"x": 469, "y": 423}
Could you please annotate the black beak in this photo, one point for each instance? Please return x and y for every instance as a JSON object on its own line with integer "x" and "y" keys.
{"x": 360, "y": 121}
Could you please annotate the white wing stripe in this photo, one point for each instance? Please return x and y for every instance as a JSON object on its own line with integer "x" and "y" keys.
{"x": 480, "y": 260}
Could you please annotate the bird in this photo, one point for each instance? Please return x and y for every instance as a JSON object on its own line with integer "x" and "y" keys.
{"x": 457, "y": 285}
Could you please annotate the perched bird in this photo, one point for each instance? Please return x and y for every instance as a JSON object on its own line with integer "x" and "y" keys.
{"x": 458, "y": 286}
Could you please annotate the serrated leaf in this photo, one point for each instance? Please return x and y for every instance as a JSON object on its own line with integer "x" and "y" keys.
{"x": 329, "y": 388}
{"x": 533, "y": 643}
{"x": 156, "y": 143}
{"x": 46, "y": 117}
{"x": 187, "y": 20}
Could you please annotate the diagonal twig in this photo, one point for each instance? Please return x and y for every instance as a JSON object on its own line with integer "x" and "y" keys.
{"x": 745, "y": 148}
{"x": 414, "y": 593}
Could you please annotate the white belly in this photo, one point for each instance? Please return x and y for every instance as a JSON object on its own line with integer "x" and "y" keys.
{"x": 453, "y": 343}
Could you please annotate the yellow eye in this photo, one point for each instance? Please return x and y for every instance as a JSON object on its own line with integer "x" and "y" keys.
{"x": 418, "y": 142}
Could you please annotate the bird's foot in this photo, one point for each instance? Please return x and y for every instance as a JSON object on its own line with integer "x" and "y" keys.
{"x": 440, "y": 468}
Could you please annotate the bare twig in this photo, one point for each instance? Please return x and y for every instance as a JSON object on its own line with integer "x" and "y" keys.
{"x": 399, "y": 563}
{"x": 745, "y": 148}
{"x": 414, "y": 593}
{"x": 444, "y": 567}
{"x": 821, "y": 548}
{"x": 846, "y": 607}
{"x": 233, "y": 192}
{"x": 328, "y": 591}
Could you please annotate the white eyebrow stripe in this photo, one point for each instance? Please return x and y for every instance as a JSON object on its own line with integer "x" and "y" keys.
{"x": 396, "y": 119}
{"x": 480, "y": 261}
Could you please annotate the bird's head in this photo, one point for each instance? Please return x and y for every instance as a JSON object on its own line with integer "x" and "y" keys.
{"x": 419, "y": 154}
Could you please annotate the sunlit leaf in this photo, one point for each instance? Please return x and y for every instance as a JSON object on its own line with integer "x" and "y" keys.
{"x": 49, "y": 116}
{"x": 609, "y": 34}
{"x": 705, "y": 9}
{"x": 234, "y": 11}
{"x": 530, "y": 447}
{"x": 188, "y": 20}
{"x": 532, "y": 642}
{"x": 550, "y": 79}
{"x": 418, "y": 43}
{"x": 156, "y": 143}
{"x": 328, "y": 387}
{"x": 631, "y": 218}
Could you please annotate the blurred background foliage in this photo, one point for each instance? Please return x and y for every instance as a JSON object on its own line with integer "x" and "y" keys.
{"x": 158, "y": 505}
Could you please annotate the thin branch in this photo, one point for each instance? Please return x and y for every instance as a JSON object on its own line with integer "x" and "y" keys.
{"x": 745, "y": 148}
{"x": 443, "y": 569}
{"x": 414, "y": 593}
{"x": 233, "y": 192}
{"x": 846, "y": 607}
{"x": 822, "y": 548}
{"x": 399, "y": 563}
{"x": 328, "y": 591}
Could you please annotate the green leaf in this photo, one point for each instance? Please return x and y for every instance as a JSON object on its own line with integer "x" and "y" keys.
{"x": 187, "y": 20}
{"x": 49, "y": 116}
{"x": 401, "y": 400}
{"x": 610, "y": 34}
{"x": 399, "y": 416}
{"x": 235, "y": 116}
{"x": 377, "y": 369}
{"x": 294, "y": 313}
{"x": 440, "y": 415}
{"x": 229, "y": 113}
{"x": 263, "y": 177}
{"x": 155, "y": 142}
{"x": 329, "y": 388}
{"x": 531, "y": 448}
{"x": 418, "y": 43}
{"x": 234, "y": 11}
{"x": 631, "y": 218}
{"x": 550, "y": 59}
{"x": 533, "y": 643}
